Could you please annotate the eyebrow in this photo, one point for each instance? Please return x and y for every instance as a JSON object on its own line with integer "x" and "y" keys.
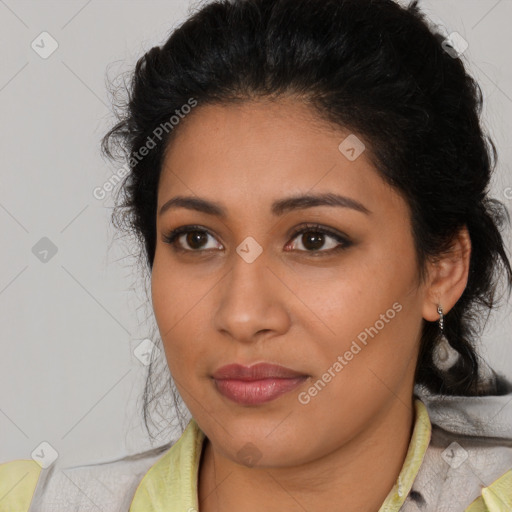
{"x": 279, "y": 207}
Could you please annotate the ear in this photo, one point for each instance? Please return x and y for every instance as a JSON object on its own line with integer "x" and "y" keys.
{"x": 448, "y": 277}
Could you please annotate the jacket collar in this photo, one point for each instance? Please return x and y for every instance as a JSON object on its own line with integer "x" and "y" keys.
{"x": 483, "y": 416}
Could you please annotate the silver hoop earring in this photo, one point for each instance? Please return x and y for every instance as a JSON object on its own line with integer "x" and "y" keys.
{"x": 444, "y": 355}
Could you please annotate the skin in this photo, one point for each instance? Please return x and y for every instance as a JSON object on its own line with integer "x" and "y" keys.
{"x": 289, "y": 307}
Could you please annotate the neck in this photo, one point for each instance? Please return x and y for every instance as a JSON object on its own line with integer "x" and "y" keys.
{"x": 356, "y": 476}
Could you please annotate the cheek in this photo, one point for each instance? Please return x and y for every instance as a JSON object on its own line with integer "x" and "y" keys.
{"x": 352, "y": 296}
{"x": 367, "y": 359}
{"x": 175, "y": 306}
{"x": 173, "y": 296}
{"x": 368, "y": 313}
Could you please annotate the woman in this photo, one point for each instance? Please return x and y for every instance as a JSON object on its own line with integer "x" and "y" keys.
{"x": 309, "y": 184}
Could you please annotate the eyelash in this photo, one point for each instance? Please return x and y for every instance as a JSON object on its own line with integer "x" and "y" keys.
{"x": 171, "y": 237}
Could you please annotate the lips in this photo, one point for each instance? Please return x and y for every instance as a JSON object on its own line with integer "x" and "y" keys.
{"x": 256, "y": 384}
{"x": 256, "y": 372}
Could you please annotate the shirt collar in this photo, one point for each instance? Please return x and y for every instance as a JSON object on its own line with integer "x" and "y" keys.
{"x": 418, "y": 445}
{"x": 170, "y": 485}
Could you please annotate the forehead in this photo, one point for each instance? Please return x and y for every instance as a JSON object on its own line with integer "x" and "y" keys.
{"x": 265, "y": 149}
{"x": 260, "y": 126}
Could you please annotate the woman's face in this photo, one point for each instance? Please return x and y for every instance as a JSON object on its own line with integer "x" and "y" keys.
{"x": 339, "y": 303}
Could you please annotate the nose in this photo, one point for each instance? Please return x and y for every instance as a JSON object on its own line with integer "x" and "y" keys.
{"x": 252, "y": 302}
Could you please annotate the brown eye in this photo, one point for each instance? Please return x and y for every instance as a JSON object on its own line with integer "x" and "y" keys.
{"x": 318, "y": 240}
{"x": 191, "y": 238}
{"x": 195, "y": 239}
{"x": 312, "y": 240}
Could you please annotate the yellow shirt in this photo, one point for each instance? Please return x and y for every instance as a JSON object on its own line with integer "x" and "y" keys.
{"x": 170, "y": 485}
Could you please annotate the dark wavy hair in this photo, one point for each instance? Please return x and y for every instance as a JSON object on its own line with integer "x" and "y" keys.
{"x": 371, "y": 66}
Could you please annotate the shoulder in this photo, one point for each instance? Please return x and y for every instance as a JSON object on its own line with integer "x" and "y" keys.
{"x": 468, "y": 462}
{"x": 62, "y": 488}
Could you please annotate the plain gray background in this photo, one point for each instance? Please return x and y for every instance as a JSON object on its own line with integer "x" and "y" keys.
{"x": 68, "y": 375}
